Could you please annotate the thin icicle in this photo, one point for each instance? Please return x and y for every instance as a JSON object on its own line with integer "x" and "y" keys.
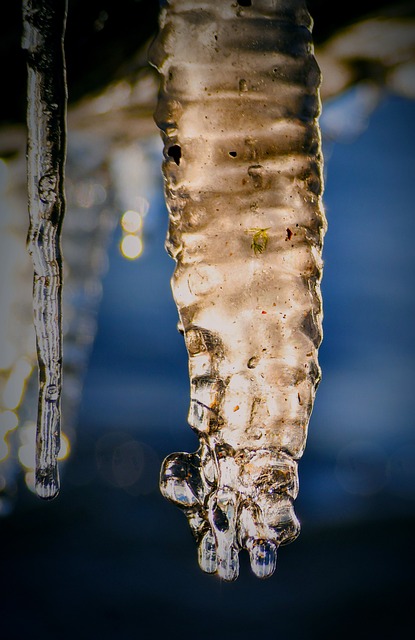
{"x": 44, "y": 26}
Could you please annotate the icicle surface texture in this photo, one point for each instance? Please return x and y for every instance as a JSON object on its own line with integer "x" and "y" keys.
{"x": 44, "y": 26}
{"x": 238, "y": 108}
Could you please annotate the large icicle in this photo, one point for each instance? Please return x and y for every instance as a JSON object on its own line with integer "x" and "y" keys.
{"x": 238, "y": 108}
{"x": 44, "y": 26}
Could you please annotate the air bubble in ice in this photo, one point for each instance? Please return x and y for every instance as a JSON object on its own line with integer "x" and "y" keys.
{"x": 47, "y": 188}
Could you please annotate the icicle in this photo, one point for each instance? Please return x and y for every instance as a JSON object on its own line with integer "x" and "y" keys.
{"x": 44, "y": 26}
{"x": 238, "y": 109}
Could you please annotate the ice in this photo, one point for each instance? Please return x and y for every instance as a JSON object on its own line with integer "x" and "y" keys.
{"x": 263, "y": 556}
{"x": 243, "y": 185}
{"x": 44, "y": 26}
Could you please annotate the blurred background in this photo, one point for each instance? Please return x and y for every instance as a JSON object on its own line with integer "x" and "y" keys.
{"x": 110, "y": 558}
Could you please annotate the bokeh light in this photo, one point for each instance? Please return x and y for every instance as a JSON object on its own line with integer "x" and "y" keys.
{"x": 15, "y": 386}
{"x": 131, "y": 221}
{"x": 131, "y": 246}
{"x": 127, "y": 463}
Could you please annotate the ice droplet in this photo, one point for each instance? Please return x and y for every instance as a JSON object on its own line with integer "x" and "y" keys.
{"x": 222, "y": 516}
{"x": 207, "y": 553}
{"x": 47, "y": 482}
{"x": 181, "y": 481}
{"x": 263, "y": 557}
{"x": 228, "y": 568}
{"x": 179, "y": 491}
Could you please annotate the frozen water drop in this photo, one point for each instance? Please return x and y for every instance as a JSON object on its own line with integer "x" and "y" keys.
{"x": 178, "y": 491}
{"x": 222, "y": 512}
{"x": 263, "y": 557}
{"x": 180, "y": 480}
{"x": 207, "y": 553}
{"x": 47, "y": 482}
{"x": 228, "y": 567}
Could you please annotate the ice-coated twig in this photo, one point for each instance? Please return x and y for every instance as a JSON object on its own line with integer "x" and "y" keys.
{"x": 44, "y": 24}
{"x": 238, "y": 109}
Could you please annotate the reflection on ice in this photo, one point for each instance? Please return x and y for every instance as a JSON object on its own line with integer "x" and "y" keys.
{"x": 263, "y": 557}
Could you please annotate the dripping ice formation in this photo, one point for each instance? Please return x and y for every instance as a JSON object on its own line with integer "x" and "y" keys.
{"x": 238, "y": 111}
{"x": 44, "y": 26}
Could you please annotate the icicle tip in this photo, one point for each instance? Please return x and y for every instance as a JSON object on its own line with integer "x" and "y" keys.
{"x": 47, "y": 483}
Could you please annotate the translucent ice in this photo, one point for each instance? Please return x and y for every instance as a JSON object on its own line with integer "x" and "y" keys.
{"x": 238, "y": 110}
{"x": 44, "y": 26}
